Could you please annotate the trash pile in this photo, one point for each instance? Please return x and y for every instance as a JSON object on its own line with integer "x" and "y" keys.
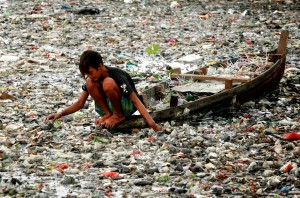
{"x": 252, "y": 150}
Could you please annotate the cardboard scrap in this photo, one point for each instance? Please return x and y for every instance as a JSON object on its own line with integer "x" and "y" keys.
{"x": 201, "y": 87}
{"x": 6, "y": 96}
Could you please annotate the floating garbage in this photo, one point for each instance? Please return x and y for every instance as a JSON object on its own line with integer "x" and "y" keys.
{"x": 110, "y": 174}
{"x": 291, "y": 136}
{"x": 87, "y": 11}
{"x": 251, "y": 150}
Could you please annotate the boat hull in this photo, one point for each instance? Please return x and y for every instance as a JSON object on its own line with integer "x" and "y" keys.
{"x": 242, "y": 93}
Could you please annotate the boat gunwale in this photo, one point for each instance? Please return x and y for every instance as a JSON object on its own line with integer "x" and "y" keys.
{"x": 239, "y": 94}
{"x": 223, "y": 95}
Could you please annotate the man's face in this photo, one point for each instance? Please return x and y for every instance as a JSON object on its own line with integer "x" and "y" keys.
{"x": 94, "y": 74}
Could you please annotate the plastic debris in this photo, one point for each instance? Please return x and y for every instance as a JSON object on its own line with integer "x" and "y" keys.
{"x": 247, "y": 151}
{"x": 291, "y": 136}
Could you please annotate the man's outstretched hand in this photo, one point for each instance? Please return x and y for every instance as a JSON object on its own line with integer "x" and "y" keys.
{"x": 156, "y": 127}
{"x": 52, "y": 117}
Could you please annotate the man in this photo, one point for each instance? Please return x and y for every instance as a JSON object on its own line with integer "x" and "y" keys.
{"x": 113, "y": 91}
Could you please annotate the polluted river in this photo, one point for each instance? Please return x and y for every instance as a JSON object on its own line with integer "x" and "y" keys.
{"x": 247, "y": 151}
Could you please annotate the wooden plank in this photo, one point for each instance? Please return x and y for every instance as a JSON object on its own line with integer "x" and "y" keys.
{"x": 176, "y": 71}
{"x": 228, "y": 84}
{"x": 174, "y": 101}
{"x": 282, "y": 45}
{"x": 282, "y": 42}
{"x": 205, "y": 77}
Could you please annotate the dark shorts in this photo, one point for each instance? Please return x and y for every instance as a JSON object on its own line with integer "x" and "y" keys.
{"x": 127, "y": 105}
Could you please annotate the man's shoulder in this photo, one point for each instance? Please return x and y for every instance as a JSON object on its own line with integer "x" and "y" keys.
{"x": 116, "y": 71}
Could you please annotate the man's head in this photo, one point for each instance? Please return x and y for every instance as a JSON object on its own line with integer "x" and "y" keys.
{"x": 89, "y": 60}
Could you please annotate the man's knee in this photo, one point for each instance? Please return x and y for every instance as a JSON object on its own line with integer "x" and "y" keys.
{"x": 109, "y": 84}
{"x": 90, "y": 85}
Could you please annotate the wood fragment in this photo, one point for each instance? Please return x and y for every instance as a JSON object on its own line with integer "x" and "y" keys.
{"x": 6, "y": 96}
{"x": 174, "y": 101}
{"x": 228, "y": 84}
{"x": 205, "y": 77}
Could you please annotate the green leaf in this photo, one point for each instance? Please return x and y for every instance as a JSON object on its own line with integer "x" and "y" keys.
{"x": 157, "y": 77}
{"x": 153, "y": 49}
{"x": 4, "y": 158}
{"x": 56, "y": 123}
{"x": 98, "y": 139}
{"x": 170, "y": 72}
{"x": 163, "y": 179}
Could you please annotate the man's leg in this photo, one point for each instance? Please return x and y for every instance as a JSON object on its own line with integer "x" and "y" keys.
{"x": 113, "y": 93}
{"x": 96, "y": 91}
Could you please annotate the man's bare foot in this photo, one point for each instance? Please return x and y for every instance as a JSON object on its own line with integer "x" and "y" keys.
{"x": 101, "y": 121}
{"x": 113, "y": 120}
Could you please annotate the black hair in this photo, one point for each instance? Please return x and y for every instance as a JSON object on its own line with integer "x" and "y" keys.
{"x": 89, "y": 58}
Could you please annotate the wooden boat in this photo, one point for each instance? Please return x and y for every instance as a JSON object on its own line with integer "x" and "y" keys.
{"x": 246, "y": 90}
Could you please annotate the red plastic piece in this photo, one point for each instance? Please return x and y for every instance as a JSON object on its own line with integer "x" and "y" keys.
{"x": 291, "y": 136}
{"x": 110, "y": 174}
{"x": 288, "y": 168}
{"x": 63, "y": 166}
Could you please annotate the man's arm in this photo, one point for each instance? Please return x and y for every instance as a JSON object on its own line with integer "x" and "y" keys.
{"x": 71, "y": 109}
{"x": 143, "y": 111}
